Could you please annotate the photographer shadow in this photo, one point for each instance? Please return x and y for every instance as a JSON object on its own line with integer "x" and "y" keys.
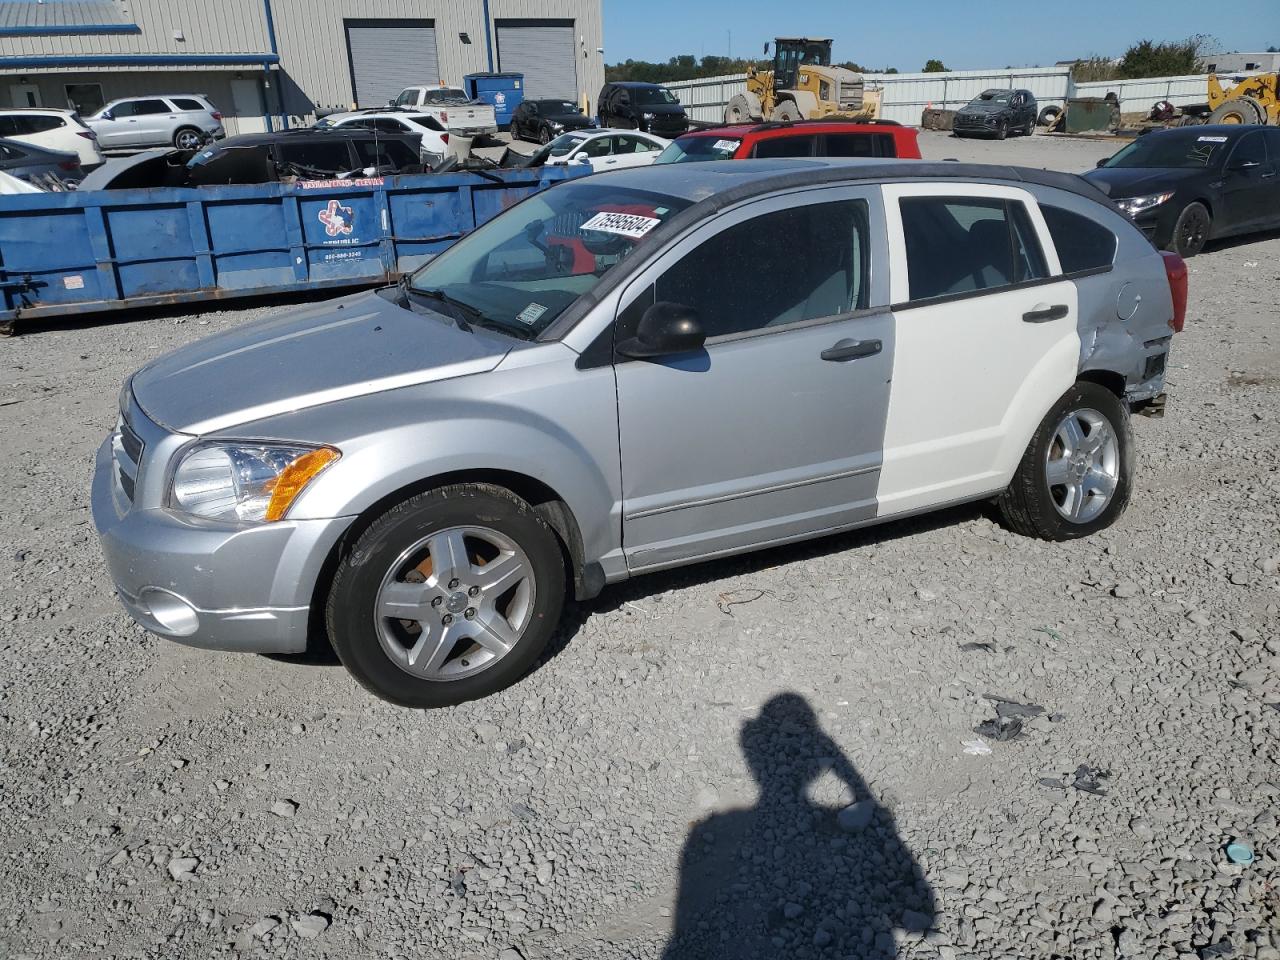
{"x": 785, "y": 878}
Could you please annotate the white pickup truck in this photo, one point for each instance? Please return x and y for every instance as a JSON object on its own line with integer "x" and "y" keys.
{"x": 451, "y": 106}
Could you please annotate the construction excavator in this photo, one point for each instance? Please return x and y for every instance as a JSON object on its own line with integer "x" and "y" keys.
{"x": 1254, "y": 99}
{"x": 803, "y": 85}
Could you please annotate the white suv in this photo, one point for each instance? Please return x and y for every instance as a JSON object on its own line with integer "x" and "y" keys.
{"x": 52, "y": 129}
{"x": 434, "y": 139}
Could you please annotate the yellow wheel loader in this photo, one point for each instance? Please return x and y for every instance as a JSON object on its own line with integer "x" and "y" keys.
{"x": 1254, "y": 99}
{"x": 802, "y": 86}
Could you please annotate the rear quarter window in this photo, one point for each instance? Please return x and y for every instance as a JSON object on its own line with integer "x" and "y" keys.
{"x": 784, "y": 147}
{"x": 183, "y": 103}
{"x": 1082, "y": 244}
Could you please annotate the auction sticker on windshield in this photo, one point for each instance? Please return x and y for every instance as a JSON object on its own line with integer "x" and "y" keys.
{"x": 1212, "y": 139}
{"x": 531, "y": 313}
{"x": 728, "y": 146}
{"x": 624, "y": 224}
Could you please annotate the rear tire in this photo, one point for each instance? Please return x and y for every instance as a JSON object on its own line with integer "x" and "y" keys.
{"x": 466, "y": 633}
{"x": 1240, "y": 110}
{"x": 787, "y": 111}
{"x": 1073, "y": 480}
{"x": 1191, "y": 231}
{"x": 187, "y": 138}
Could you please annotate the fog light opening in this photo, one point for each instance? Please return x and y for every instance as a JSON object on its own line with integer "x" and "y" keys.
{"x": 171, "y": 612}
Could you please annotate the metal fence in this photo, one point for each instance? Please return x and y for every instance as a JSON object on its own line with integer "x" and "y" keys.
{"x": 906, "y": 95}
{"x": 1139, "y": 95}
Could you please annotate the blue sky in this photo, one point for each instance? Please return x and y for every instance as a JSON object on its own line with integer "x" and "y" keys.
{"x": 964, "y": 35}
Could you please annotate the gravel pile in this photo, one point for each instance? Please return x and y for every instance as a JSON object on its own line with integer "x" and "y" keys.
{"x": 932, "y": 739}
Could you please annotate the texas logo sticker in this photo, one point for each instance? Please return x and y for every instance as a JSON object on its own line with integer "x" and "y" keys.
{"x": 337, "y": 219}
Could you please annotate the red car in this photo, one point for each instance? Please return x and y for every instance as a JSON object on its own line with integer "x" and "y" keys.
{"x": 797, "y": 138}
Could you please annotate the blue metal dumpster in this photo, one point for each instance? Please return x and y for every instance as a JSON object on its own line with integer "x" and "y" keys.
{"x": 102, "y": 250}
{"x": 505, "y": 91}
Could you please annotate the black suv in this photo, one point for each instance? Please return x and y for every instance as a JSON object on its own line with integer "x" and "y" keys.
{"x": 997, "y": 113}
{"x": 544, "y": 120}
{"x": 641, "y": 106}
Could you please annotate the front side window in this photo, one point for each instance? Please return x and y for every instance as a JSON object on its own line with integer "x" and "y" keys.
{"x": 777, "y": 147}
{"x": 1081, "y": 243}
{"x": 599, "y": 147}
{"x": 407, "y": 98}
{"x": 732, "y": 279}
{"x": 1251, "y": 149}
{"x": 968, "y": 244}
{"x": 143, "y": 108}
{"x": 524, "y": 268}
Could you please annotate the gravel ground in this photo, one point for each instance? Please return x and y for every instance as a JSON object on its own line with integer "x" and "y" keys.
{"x": 769, "y": 756}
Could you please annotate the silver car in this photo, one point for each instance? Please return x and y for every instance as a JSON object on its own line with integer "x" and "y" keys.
{"x": 39, "y": 165}
{"x": 614, "y": 377}
{"x": 184, "y": 121}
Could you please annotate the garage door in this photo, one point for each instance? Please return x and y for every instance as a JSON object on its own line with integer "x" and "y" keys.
{"x": 389, "y": 55}
{"x": 545, "y": 52}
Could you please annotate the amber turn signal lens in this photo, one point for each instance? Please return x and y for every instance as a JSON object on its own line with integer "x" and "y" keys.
{"x": 286, "y": 487}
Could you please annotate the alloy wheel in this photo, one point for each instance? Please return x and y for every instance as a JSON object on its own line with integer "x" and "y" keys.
{"x": 1082, "y": 465}
{"x": 455, "y": 603}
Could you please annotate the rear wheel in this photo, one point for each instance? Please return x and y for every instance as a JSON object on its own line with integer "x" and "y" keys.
{"x": 1239, "y": 110}
{"x": 188, "y": 138}
{"x": 448, "y": 597}
{"x": 1191, "y": 231}
{"x": 1076, "y": 475}
{"x": 738, "y": 110}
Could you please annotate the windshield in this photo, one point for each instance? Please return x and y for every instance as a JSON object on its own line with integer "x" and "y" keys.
{"x": 551, "y": 108}
{"x": 652, "y": 96}
{"x": 693, "y": 149}
{"x": 991, "y": 96}
{"x": 1181, "y": 150}
{"x": 525, "y": 267}
{"x": 558, "y": 147}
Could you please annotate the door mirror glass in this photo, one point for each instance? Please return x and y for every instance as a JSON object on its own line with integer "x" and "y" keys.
{"x": 108, "y": 115}
{"x": 1102, "y": 162}
{"x": 582, "y": 158}
{"x": 665, "y": 329}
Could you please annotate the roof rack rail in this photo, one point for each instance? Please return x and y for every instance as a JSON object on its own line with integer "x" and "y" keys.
{"x": 778, "y": 124}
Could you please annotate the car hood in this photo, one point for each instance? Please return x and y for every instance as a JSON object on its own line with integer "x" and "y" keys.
{"x": 568, "y": 119}
{"x": 1137, "y": 181}
{"x": 303, "y": 358}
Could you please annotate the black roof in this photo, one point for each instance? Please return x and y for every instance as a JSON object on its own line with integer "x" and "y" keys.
{"x": 1209, "y": 129}
{"x": 306, "y": 133}
{"x": 631, "y": 83}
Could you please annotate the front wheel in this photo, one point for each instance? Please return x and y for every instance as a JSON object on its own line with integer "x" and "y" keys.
{"x": 449, "y": 596}
{"x": 1191, "y": 231}
{"x": 544, "y": 136}
{"x": 1002, "y": 133}
{"x": 1077, "y": 472}
{"x": 514, "y": 130}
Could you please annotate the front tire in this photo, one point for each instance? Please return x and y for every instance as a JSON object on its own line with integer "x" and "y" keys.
{"x": 514, "y": 130}
{"x": 1191, "y": 231}
{"x": 544, "y": 136}
{"x": 1002, "y": 132}
{"x": 1077, "y": 473}
{"x": 447, "y": 597}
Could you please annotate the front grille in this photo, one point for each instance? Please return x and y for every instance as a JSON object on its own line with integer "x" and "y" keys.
{"x": 127, "y": 447}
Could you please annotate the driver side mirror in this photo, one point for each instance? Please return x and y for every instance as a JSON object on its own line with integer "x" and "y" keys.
{"x": 107, "y": 115}
{"x": 1102, "y": 162}
{"x": 665, "y": 329}
{"x": 582, "y": 158}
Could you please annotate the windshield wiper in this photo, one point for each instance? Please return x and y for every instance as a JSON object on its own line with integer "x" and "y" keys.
{"x": 469, "y": 316}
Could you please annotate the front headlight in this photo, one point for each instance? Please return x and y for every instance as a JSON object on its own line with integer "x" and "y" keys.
{"x": 245, "y": 481}
{"x": 650, "y": 116}
{"x": 555, "y": 125}
{"x": 1135, "y": 205}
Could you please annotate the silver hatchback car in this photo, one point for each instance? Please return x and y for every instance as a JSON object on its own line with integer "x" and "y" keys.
{"x": 614, "y": 377}
{"x": 184, "y": 121}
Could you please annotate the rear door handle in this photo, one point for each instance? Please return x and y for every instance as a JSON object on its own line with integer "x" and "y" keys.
{"x": 1043, "y": 313}
{"x": 851, "y": 350}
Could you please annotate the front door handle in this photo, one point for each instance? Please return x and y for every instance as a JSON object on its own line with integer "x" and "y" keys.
{"x": 1043, "y": 313}
{"x": 851, "y": 350}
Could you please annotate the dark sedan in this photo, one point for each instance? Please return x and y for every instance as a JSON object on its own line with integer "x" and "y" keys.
{"x": 544, "y": 120}
{"x": 1189, "y": 185}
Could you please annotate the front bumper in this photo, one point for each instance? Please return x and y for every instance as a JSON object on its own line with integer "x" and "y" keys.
{"x": 245, "y": 587}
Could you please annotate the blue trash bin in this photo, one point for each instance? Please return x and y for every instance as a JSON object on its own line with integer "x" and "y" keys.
{"x": 503, "y": 91}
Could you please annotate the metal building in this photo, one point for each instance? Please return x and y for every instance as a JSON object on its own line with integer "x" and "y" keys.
{"x": 267, "y": 63}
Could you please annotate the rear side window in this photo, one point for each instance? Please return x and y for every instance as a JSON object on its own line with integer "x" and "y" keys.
{"x": 139, "y": 108}
{"x": 22, "y": 125}
{"x": 859, "y": 145}
{"x": 426, "y": 120}
{"x": 382, "y": 153}
{"x": 185, "y": 103}
{"x": 784, "y": 147}
{"x": 1081, "y": 243}
{"x": 961, "y": 245}
{"x": 327, "y": 157}
{"x": 729, "y": 281}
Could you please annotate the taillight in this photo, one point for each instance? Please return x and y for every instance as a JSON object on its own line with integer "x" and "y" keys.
{"x": 87, "y": 134}
{"x": 217, "y": 116}
{"x": 444, "y": 137}
{"x": 69, "y": 165}
{"x": 1175, "y": 268}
